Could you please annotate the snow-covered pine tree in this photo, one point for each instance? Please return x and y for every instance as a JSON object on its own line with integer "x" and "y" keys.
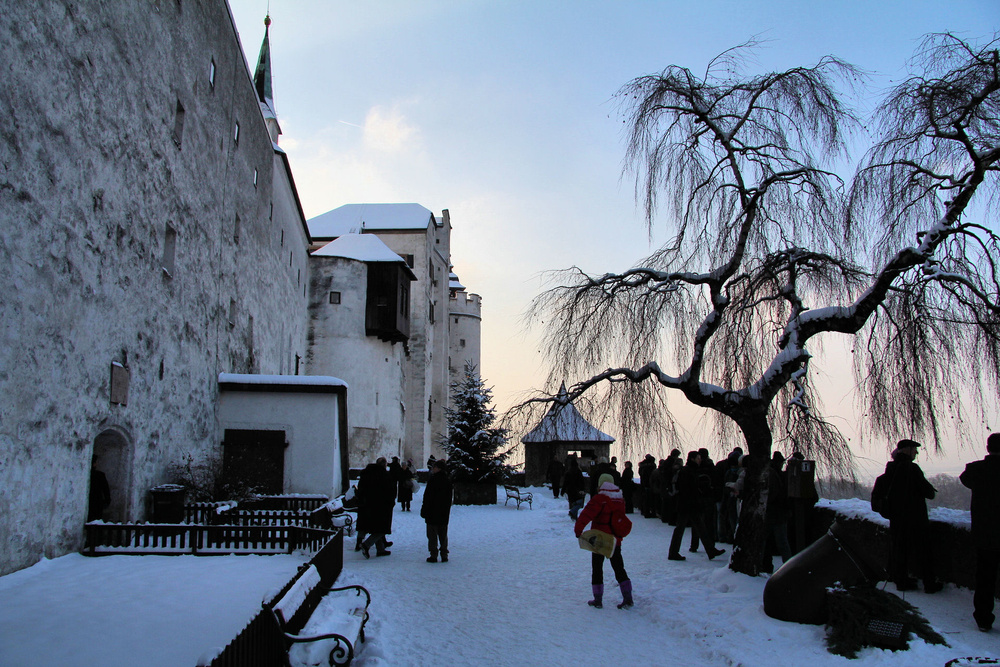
{"x": 477, "y": 451}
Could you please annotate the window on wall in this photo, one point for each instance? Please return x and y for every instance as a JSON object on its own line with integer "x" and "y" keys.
{"x": 169, "y": 249}
{"x": 211, "y": 74}
{"x": 236, "y": 229}
{"x": 430, "y": 313}
{"x": 282, "y": 238}
{"x": 430, "y": 409}
{"x": 461, "y": 342}
{"x": 255, "y": 178}
{"x": 236, "y": 134}
{"x": 178, "y": 133}
{"x": 232, "y": 312}
{"x": 270, "y": 216}
{"x": 335, "y": 298}
{"x": 409, "y": 260}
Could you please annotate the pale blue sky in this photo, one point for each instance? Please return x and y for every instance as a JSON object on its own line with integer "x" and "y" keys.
{"x": 502, "y": 112}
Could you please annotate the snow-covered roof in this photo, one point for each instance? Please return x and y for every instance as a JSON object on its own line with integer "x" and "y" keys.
{"x": 290, "y": 380}
{"x": 357, "y": 218}
{"x": 562, "y": 423}
{"x": 454, "y": 284}
{"x": 363, "y": 248}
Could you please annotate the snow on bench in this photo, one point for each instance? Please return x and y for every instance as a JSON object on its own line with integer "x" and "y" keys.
{"x": 514, "y": 493}
{"x": 321, "y": 625}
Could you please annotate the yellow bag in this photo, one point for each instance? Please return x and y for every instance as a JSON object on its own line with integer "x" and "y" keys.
{"x": 598, "y": 541}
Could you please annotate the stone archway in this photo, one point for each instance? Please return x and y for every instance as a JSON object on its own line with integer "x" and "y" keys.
{"x": 112, "y": 456}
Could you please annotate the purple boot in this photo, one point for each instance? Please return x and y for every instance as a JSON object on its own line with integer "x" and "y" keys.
{"x": 626, "y": 587}
{"x": 598, "y": 596}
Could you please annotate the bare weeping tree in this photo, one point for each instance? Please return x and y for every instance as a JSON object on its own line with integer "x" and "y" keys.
{"x": 769, "y": 249}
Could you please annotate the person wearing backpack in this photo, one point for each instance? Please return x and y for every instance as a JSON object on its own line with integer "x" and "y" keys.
{"x": 907, "y": 499}
{"x": 606, "y": 511}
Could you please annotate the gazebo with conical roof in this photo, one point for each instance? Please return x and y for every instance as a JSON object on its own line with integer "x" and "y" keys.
{"x": 562, "y": 431}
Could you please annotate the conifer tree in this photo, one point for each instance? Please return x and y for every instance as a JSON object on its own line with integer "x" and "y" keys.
{"x": 477, "y": 451}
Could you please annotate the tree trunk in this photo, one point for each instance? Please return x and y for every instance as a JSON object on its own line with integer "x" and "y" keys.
{"x": 751, "y": 533}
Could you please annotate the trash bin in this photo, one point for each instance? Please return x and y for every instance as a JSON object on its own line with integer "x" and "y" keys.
{"x": 168, "y": 503}
{"x": 797, "y": 591}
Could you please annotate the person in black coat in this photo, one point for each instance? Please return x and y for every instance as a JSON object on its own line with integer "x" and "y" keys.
{"x": 983, "y": 477}
{"x": 436, "y": 511}
{"x": 689, "y": 504}
{"x": 908, "y": 524}
{"x": 377, "y": 491}
{"x": 628, "y": 487}
{"x": 555, "y": 474}
{"x": 573, "y": 486}
{"x": 404, "y": 485}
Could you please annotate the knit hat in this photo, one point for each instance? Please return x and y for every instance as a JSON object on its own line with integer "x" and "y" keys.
{"x": 605, "y": 478}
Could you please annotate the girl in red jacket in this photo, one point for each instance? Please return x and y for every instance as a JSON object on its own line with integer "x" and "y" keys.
{"x": 602, "y": 510}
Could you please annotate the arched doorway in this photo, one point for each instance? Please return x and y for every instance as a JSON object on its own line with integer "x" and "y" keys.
{"x": 112, "y": 458}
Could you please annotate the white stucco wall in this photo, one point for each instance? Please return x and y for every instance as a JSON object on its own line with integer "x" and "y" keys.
{"x": 371, "y": 367}
{"x": 92, "y": 176}
{"x": 311, "y": 422}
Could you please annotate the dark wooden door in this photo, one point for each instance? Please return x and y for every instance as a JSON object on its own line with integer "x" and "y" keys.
{"x": 254, "y": 461}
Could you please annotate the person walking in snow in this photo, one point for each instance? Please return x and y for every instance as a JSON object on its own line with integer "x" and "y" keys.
{"x": 573, "y": 486}
{"x": 436, "y": 510}
{"x": 983, "y": 477}
{"x": 377, "y": 491}
{"x": 555, "y": 474}
{"x": 605, "y": 509}
{"x": 689, "y": 503}
{"x": 404, "y": 485}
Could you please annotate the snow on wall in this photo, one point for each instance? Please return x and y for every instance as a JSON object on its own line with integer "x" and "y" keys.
{"x": 121, "y": 181}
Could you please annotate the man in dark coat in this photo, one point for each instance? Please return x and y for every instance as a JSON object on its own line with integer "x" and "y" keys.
{"x": 983, "y": 477}
{"x": 377, "y": 491}
{"x": 646, "y": 468}
{"x": 555, "y": 474}
{"x": 436, "y": 511}
{"x": 908, "y": 524}
{"x": 689, "y": 507}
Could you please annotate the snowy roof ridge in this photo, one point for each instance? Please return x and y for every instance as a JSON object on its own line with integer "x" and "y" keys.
{"x": 563, "y": 423}
{"x": 357, "y": 218}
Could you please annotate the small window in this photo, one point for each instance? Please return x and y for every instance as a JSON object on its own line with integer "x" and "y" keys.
{"x": 255, "y": 178}
{"x": 289, "y": 258}
{"x": 430, "y": 409}
{"x": 178, "y": 123}
{"x": 232, "y": 312}
{"x": 211, "y": 74}
{"x": 409, "y": 260}
{"x": 335, "y": 298}
{"x": 236, "y": 134}
{"x": 169, "y": 250}
{"x": 461, "y": 342}
{"x": 298, "y": 278}
{"x": 236, "y": 229}
{"x": 430, "y": 313}
{"x": 270, "y": 216}
{"x": 282, "y": 238}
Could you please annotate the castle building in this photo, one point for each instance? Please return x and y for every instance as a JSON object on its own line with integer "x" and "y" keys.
{"x": 444, "y": 323}
{"x": 156, "y": 277}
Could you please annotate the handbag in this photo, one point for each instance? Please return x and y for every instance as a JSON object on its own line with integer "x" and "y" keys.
{"x": 598, "y": 542}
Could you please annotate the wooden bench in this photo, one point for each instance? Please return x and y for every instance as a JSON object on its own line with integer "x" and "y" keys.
{"x": 514, "y": 493}
{"x": 320, "y": 622}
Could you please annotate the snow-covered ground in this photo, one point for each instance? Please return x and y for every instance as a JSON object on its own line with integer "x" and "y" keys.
{"x": 513, "y": 593}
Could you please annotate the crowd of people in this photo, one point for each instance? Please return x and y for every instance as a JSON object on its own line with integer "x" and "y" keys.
{"x": 697, "y": 493}
{"x": 381, "y": 484}
{"x": 706, "y": 497}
